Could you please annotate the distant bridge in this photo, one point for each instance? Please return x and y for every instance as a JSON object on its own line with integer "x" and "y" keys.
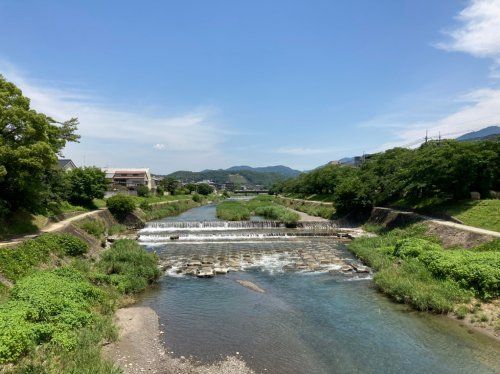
{"x": 251, "y": 191}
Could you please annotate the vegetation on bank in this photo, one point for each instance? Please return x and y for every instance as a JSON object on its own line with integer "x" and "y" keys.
{"x": 413, "y": 268}
{"x": 55, "y": 320}
{"x": 478, "y": 213}
{"x": 436, "y": 172}
{"x": 233, "y": 211}
{"x": 21, "y": 260}
{"x": 310, "y": 208}
{"x": 262, "y": 205}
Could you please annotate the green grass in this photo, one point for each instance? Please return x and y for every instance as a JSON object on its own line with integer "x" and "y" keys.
{"x": 310, "y": 208}
{"x": 55, "y": 321}
{"x": 21, "y": 223}
{"x": 478, "y": 213}
{"x": 116, "y": 229}
{"x": 94, "y": 227}
{"x": 4, "y": 293}
{"x": 279, "y": 213}
{"x": 415, "y": 269}
{"x": 19, "y": 261}
{"x": 127, "y": 266}
{"x": 233, "y": 211}
{"x": 158, "y": 199}
{"x": 167, "y": 210}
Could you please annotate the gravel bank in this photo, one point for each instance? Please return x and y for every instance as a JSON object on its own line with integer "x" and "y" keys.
{"x": 139, "y": 349}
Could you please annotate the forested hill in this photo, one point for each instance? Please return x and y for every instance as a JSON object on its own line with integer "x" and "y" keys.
{"x": 242, "y": 177}
{"x": 279, "y": 169}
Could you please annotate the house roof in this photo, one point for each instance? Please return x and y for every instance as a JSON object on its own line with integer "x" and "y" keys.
{"x": 64, "y": 162}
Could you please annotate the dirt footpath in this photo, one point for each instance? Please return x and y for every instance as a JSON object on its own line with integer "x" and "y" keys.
{"x": 139, "y": 349}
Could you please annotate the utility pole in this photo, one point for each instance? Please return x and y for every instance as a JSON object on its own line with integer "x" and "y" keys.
{"x": 426, "y": 137}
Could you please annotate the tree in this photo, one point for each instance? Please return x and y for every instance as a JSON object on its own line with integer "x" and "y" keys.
{"x": 86, "y": 184}
{"x": 120, "y": 206}
{"x": 204, "y": 189}
{"x": 142, "y": 191}
{"x": 29, "y": 144}
{"x": 170, "y": 184}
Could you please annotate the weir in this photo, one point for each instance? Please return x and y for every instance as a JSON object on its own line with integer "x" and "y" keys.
{"x": 228, "y": 225}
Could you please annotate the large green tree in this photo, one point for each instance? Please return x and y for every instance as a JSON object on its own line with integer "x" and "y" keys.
{"x": 86, "y": 184}
{"x": 29, "y": 144}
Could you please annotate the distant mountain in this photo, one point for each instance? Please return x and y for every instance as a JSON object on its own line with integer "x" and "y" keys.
{"x": 487, "y": 132}
{"x": 347, "y": 160}
{"x": 278, "y": 169}
{"x": 241, "y": 177}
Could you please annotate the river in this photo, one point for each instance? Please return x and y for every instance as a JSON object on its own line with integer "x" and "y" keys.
{"x": 320, "y": 321}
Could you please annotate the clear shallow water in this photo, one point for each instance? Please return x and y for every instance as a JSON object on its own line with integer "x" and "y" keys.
{"x": 307, "y": 322}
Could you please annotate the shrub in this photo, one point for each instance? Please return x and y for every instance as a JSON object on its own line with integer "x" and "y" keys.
{"x": 94, "y": 227}
{"x": 477, "y": 271}
{"x": 197, "y": 198}
{"x": 19, "y": 261}
{"x": 278, "y": 213}
{"x": 461, "y": 311}
{"x": 142, "y": 191}
{"x": 414, "y": 247}
{"x": 46, "y": 306}
{"x": 128, "y": 266}
{"x": 204, "y": 189}
{"x": 120, "y": 206}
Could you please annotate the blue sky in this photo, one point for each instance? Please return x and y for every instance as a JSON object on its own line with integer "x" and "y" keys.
{"x": 209, "y": 84}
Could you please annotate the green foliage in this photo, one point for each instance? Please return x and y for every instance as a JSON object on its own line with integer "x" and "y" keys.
{"x": 29, "y": 142}
{"x": 204, "y": 189}
{"x": 46, "y": 306}
{"x": 115, "y": 229}
{"x": 160, "y": 190}
{"x": 414, "y": 247}
{"x": 86, "y": 184}
{"x": 120, "y": 206}
{"x": 171, "y": 209}
{"x": 279, "y": 213}
{"x": 416, "y": 270}
{"x": 233, "y": 211}
{"x": 477, "y": 271}
{"x": 434, "y": 172}
{"x": 95, "y": 227}
{"x": 311, "y": 208}
{"x": 142, "y": 191}
{"x": 128, "y": 266}
{"x": 248, "y": 177}
{"x": 493, "y": 245}
{"x": 19, "y": 261}
{"x": 170, "y": 184}
{"x": 197, "y": 198}
{"x": 413, "y": 284}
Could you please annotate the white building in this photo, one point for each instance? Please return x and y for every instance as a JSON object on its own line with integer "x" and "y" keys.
{"x": 129, "y": 178}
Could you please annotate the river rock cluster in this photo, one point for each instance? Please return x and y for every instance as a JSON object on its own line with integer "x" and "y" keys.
{"x": 207, "y": 265}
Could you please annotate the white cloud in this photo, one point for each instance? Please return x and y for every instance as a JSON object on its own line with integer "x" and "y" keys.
{"x": 193, "y": 131}
{"x": 479, "y": 32}
{"x": 159, "y": 146}
{"x": 481, "y": 109}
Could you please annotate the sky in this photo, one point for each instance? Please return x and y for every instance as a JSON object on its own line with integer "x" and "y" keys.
{"x": 196, "y": 84}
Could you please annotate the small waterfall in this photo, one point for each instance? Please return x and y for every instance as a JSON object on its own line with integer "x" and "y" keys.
{"x": 228, "y": 225}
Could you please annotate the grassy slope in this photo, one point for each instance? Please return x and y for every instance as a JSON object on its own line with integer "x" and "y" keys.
{"x": 427, "y": 277}
{"x": 478, "y": 213}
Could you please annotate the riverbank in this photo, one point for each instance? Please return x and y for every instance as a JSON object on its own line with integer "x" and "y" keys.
{"x": 139, "y": 349}
{"x": 78, "y": 275}
{"x": 413, "y": 268}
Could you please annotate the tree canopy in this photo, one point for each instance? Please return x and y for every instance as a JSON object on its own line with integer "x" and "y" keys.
{"x": 29, "y": 144}
{"x": 438, "y": 171}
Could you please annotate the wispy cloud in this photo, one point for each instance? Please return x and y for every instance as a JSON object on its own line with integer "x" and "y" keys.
{"x": 192, "y": 131}
{"x": 113, "y": 135}
{"x": 479, "y": 31}
{"x": 480, "y": 108}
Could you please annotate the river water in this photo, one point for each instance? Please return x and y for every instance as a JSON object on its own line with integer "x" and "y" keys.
{"x": 321, "y": 321}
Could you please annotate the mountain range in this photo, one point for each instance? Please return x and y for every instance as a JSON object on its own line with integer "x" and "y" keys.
{"x": 240, "y": 175}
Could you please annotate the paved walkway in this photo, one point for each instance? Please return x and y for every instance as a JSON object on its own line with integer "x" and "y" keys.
{"x": 442, "y": 222}
{"x": 50, "y": 228}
